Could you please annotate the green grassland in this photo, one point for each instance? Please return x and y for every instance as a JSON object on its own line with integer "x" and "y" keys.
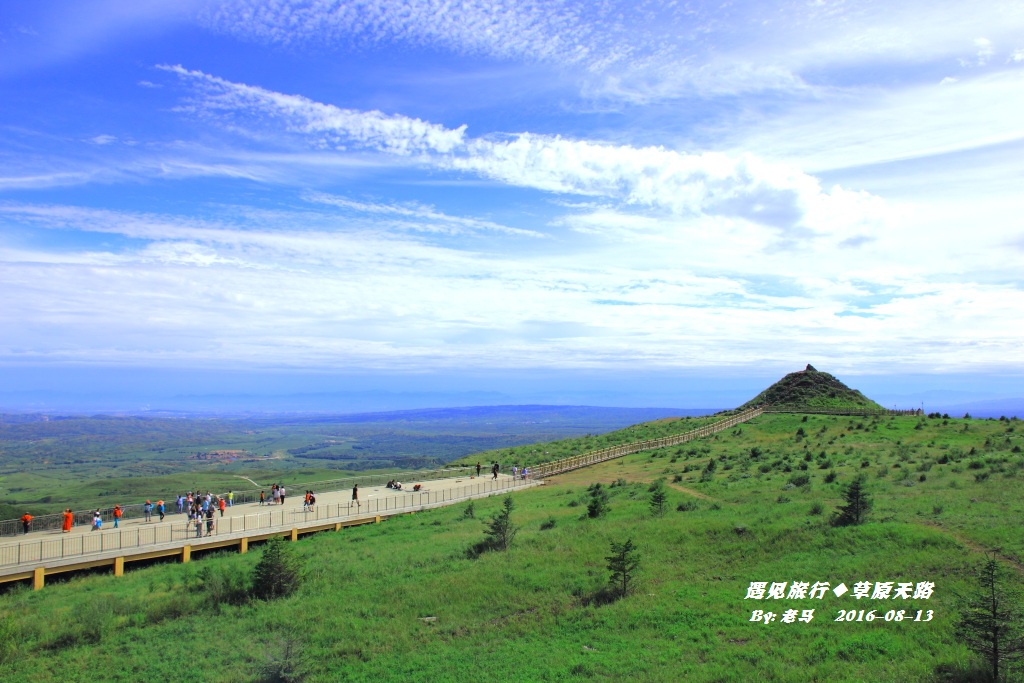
{"x": 945, "y": 490}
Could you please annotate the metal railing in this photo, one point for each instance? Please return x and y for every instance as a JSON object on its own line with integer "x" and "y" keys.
{"x": 274, "y": 518}
{"x": 13, "y": 527}
{"x": 593, "y": 457}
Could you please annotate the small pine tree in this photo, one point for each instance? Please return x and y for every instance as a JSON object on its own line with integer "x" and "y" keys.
{"x": 278, "y": 573}
{"x": 623, "y": 563}
{"x": 709, "y": 471}
{"x": 858, "y": 504}
{"x": 658, "y": 501}
{"x": 500, "y": 530}
{"x": 598, "y": 504}
{"x": 990, "y": 620}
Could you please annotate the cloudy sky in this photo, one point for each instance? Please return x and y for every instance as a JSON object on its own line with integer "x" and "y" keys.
{"x": 587, "y": 201}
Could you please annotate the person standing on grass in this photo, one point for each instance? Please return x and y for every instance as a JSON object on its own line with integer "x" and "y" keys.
{"x": 355, "y": 496}
{"x": 26, "y": 522}
{"x": 69, "y": 519}
{"x": 147, "y": 511}
{"x": 117, "y": 516}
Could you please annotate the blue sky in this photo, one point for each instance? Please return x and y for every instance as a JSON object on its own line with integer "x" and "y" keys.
{"x": 596, "y": 201}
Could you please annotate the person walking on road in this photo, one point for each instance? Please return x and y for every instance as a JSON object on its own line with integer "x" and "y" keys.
{"x": 478, "y": 469}
{"x": 494, "y": 471}
{"x": 117, "y": 515}
{"x": 222, "y": 504}
{"x": 355, "y": 496}
{"x": 26, "y": 522}
{"x": 97, "y": 521}
{"x": 280, "y": 490}
{"x": 147, "y": 511}
{"x": 160, "y": 509}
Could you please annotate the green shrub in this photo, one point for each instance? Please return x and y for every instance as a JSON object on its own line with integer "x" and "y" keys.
{"x": 799, "y": 480}
{"x": 278, "y": 573}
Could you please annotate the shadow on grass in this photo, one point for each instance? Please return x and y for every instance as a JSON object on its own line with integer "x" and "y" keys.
{"x": 975, "y": 672}
{"x": 598, "y": 598}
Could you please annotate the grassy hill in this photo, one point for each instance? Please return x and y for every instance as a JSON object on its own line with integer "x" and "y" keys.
{"x": 810, "y": 388}
{"x": 401, "y": 601}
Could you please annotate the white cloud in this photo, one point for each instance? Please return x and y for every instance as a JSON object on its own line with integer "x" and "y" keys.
{"x": 778, "y": 196}
{"x": 985, "y": 50}
{"x": 258, "y": 290}
{"x": 103, "y": 139}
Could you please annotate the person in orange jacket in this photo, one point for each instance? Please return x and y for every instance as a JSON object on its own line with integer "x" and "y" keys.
{"x": 117, "y": 515}
{"x": 69, "y": 519}
{"x": 26, "y": 522}
{"x": 222, "y": 504}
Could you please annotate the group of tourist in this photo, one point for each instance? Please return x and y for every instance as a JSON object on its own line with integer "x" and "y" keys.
{"x": 201, "y": 508}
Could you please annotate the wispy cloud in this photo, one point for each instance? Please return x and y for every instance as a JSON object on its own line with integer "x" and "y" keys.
{"x": 773, "y": 195}
{"x": 642, "y": 51}
{"x": 423, "y": 215}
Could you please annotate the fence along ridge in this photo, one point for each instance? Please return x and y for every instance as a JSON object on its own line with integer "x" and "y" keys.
{"x": 577, "y": 461}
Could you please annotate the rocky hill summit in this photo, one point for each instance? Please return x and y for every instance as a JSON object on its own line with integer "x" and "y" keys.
{"x": 810, "y": 388}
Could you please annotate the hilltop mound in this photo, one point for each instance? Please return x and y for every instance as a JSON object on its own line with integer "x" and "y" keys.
{"x": 810, "y": 388}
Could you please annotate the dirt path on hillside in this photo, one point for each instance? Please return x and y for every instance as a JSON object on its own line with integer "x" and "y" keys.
{"x": 695, "y": 494}
{"x": 973, "y": 545}
{"x": 248, "y": 480}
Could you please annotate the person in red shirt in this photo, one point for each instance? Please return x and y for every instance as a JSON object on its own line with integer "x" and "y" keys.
{"x": 223, "y": 504}
{"x": 26, "y": 521}
{"x": 69, "y": 519}
{"x": 117, "y": 515}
